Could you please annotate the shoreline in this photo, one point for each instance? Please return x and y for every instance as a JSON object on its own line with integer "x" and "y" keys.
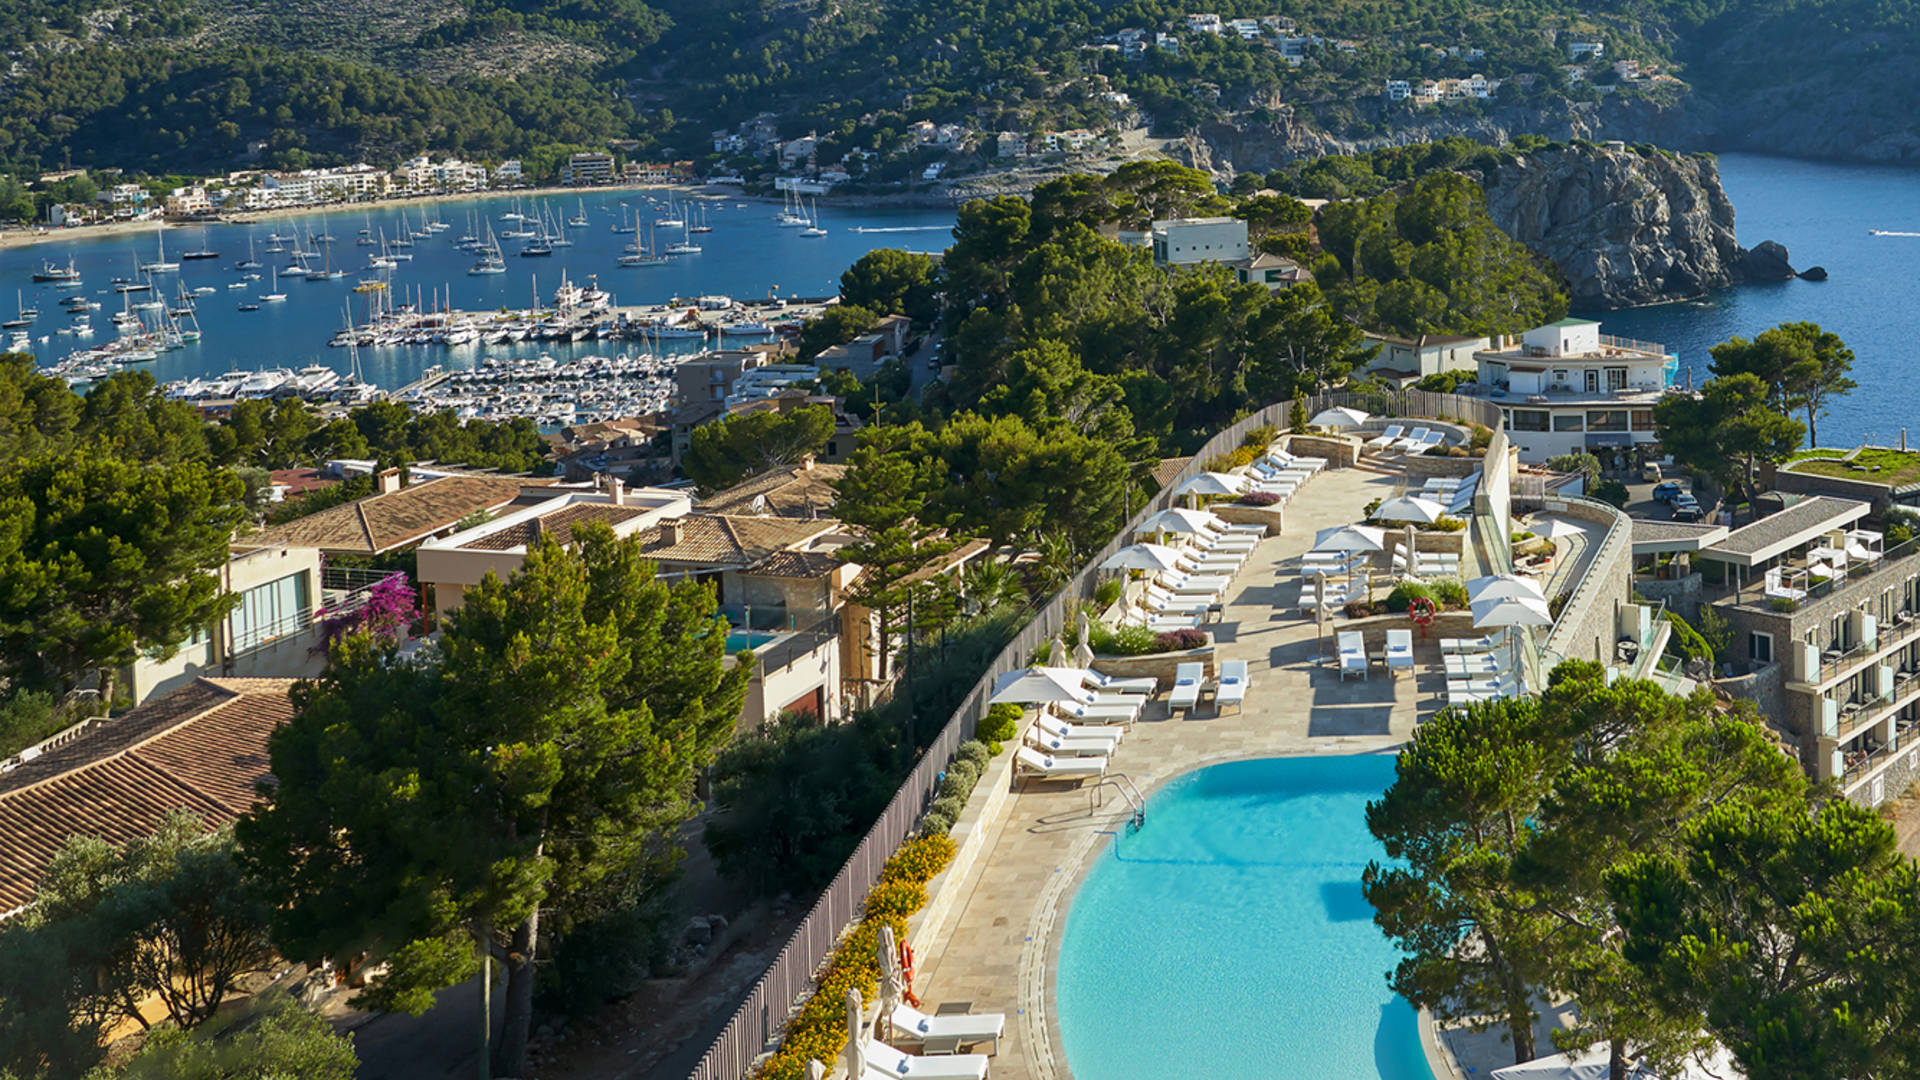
{"x": 42, "y": 235}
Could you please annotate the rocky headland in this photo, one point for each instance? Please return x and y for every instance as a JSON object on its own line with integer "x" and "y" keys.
{"x": 1628, "y": 227}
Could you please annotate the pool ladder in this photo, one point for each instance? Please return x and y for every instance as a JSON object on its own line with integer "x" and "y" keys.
{"x": 1137, "y": 818}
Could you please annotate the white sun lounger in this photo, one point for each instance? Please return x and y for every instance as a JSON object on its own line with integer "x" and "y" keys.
{"x": 1138, "y": 617}
{"x": 1098, "y": 682}
{"x": 1399, "y": 651}
{"x": 1241, "y": 542}
{"x": 1386, "y": 438}
{"x": 1312, "y": 597}
{"x": 1484, "y": 684}
{"x": 884, "y": 1060}
{"x": 1471, "y": 665}
{"x": 1063, "y": 747}
{"x": 1099, "y": 713}
{"x": 968, "y": 1028}
{"x": 1132, "y": 699}
{"x": 1353, "y": 654}
{"x": 1412, "y": 440}
{"x": 1163, "y": 602}
{"x": 1251, "y": 529}
{"x": 1482, "y": 643}
{"x": 1231, "y": 687}
{"x": 1207, "y": 562}
{"x": 1179, "y": 581}
{"x": 1053, "y": 725}
{"x": 1028, "y": 761}
{"x": 1187, "y": 681}
{"x": 1280, "y": 456}
{"x": 1430, "y": 440}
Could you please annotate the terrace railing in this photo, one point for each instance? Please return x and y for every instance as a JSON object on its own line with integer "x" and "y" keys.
{"x": 789, "y": 979}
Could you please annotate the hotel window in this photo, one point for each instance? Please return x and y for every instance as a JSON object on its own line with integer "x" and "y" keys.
{"x": 1760, "y": 647}
{"x": 1606, "y": 420}
{"x": 270, "y": 611}
{"x": 1569, "y": 422}
{"x": 1643, "y": 419}
{"x": 1559, "y": 376}
{"x": 1530, "y": 420}
{"x": 1616, "y": 378}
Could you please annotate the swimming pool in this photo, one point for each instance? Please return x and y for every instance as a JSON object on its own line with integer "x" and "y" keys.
{"x": 747, "y": 639}
{"x": 1229, "y": 937}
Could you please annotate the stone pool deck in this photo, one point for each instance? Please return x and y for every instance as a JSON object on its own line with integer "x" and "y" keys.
{"x": 999, "y": 947}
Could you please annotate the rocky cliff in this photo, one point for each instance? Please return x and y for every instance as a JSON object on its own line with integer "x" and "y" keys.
{"x": 1625, "y": 228}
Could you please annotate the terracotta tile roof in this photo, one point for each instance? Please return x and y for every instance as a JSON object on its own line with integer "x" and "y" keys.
{"x": 798, "y": 564}
{"x": 942, "y": 564}
{"x": 1168, "y": 470}
{"x": 202, "y": 747}
{"x": 717, "y": 540}
{"x": 300, "y": 481}
{"x": 559, "y": 525}
{"x": 380, "y": 523}
{"x": 793, "y": 493}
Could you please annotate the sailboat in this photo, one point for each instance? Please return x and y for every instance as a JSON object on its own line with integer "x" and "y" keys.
{"x": 250, "y": 263}
{"x": 325, "y": 237}
{"x": 558, "y": 236}
{"x": 25, "y": 318}
{"x": 579, "y": 220}
{"x": 160, "y": 265}
{"x": 703, "y": 226}
{"x": 402, "y": 238}
{"x": 669, "y": 221}
{"x": 625, "y": 226}
{"x": 365, "y": 239}
{"x": 384, "y": 260}
{"x": 204, "y": 252}
{"x": 276, "y": 296}
{"x": 489, "y": 261}
{"x": 813, "y": 228}
{"x": 787, "y": 218}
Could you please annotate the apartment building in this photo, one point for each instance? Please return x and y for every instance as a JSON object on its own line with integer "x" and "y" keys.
{"x": 1566, "y": 387}
{"x": 592, "y": 167}
{"x": 1186, "y": 241}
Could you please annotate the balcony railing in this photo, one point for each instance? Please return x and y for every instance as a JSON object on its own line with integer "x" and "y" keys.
{"x": 1754, "y": 591}
{"x": 1895, "y": 635}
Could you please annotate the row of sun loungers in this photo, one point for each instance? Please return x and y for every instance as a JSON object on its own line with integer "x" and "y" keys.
{"x": 1474, "y": 671}
{"x": 1354, "y": 660}
{"x": 909, "y": 1025}
{"x": 1396, "y": 437}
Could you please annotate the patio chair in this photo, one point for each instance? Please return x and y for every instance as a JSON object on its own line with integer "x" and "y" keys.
{"x": 1285, "y": 459}
{"x": 1188, "y": 679}
{"x": 1231, "y": 689}
{"x": 1385, "y": 439}
{"x": 1028, "y": 761}
{"x": 1430, "y": 440}
{"x": 1412, "y": 440}
{"x": 884, "y": 1060}
{"x": 968, "y": 1028}
{"x": 1099, "y": 712}
{"x": 1483, "y": 643}
{"x": 1098, "y": 682}
{"x": 1312, "y": 598}
{"x": 1186, "y": 585}
{"x": 1471, "y": 665}
{"x": 1353, "y": 654}
{"x": 1165, "y": 603}
{"x": 1399, "y": 651}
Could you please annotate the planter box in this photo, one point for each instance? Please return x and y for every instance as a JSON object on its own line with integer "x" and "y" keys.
{"x": 1159, "y": 665}
{"x": 1270, "y": 516}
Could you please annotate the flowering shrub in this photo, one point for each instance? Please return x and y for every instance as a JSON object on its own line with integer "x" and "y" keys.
{"x": 390, "y": 605}
{"x": 1259, "y": 498}
{"x": 1179, "y": 640}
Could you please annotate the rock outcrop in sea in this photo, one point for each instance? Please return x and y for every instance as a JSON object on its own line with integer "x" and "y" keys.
{"x": 1628, "y": 228}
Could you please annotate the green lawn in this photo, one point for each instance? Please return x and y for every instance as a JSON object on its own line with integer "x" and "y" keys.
{"x": 1879, "y": 466}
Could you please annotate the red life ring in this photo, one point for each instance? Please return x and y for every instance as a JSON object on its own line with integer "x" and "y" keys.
{"x": 1421, "y": 611}
{"x": 906, "y": 972}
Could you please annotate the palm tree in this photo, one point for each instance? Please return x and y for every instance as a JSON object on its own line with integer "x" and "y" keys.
{"x": 991, "y": 585}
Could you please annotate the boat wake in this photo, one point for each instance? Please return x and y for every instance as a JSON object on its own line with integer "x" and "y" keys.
{"x": 904, "y": 228}
{"x": 1886, "y": 232}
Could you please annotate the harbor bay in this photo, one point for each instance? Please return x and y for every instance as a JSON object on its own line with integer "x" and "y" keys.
{"x": 490, "y": 285}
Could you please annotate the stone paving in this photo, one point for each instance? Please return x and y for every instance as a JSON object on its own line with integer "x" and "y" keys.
{"x": 1000, "y": 949}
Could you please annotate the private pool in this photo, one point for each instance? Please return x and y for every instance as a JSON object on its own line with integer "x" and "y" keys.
{"x": 1229, "y": 937}
{"x": 747, "y": 639}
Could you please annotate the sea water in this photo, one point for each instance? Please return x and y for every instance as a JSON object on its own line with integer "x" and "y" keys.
{"x": 1229, "y": 938}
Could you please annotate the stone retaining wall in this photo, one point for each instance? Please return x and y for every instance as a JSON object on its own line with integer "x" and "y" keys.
{"x": 1273, "y": 517}
{"x": 1341, "y": 451}
{"x": 1159, "y": 665}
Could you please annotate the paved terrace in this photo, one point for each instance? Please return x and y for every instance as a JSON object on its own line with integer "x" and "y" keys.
{"x": 1000, "y": 948}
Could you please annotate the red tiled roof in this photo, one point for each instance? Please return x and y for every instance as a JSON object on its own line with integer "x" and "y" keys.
{"x": 380, "y": 523}
{"x": 202, "y": 748}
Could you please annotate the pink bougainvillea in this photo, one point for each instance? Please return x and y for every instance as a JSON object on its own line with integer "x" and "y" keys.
{"x": 389, "y": 606}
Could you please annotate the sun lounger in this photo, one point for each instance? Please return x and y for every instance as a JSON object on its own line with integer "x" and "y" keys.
{"x": 1222, "y": 541}
{"x": 1053, "y": 725}
{"x": 884, "y": 1060}
{"x": 1471, "y": 665}
{"x": 1139, "y": 617}
{"x": 1479, "y": 644}
{"x": 1231, "y": 688}
{"x": 1207, "y": 562}
{"x": 1165, "y": 603}
{"x": 1412, "y": 440}
{"x": 1427, "y": 442}
{"x": 1442, "y": 483}
{"x": 1179, "y": 581}
{"x": 1251, "y": 529}
{"x": 1279, "y": 456}
{"x": 1484, "y": 684}
{"x": 1113, "y": 697}
{"x": 1064, "y": 747}
{"x": 1187, "y": 681}
{"x": 1386, "y": 438}
{"x": 967, "y": 1028}
{"x": 1353, "y": 654}
{"x": 1399, "y": 651}
{"x": 1095, "y": 712}
{"x": 1028, "y": 761}
{"x": 1145, "y": 684}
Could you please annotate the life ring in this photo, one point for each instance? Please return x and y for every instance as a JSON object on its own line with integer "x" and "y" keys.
{"x": 1421, "y": 610}
{"x": 906, "y": 973}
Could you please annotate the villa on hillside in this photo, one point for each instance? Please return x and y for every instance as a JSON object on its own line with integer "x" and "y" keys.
{"x": 1566, "y": 387}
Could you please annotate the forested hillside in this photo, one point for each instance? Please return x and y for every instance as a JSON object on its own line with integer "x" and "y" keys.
{"x": 189, "y": 85}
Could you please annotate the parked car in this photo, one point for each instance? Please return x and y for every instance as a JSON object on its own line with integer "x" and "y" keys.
{"x": 1686, "y": 509}
{"x": 1668, "y": 491}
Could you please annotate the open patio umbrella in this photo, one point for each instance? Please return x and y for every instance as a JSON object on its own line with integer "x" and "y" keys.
{"x": 1350, "y": 538}
{"x": 1410, "y": 508}
{"x": 1143, "y": 557}
{"x": 1211, "y": 483}
{"x": 1083, "y": 651}
{"x": 1504, "y": 587}
{"x": 1037, "y": 686}
{"x": 1338, "y": 417}
{"x": 891, "y": 983}
{"x": 856, "y": 1043}
{"x": 1510, "y": 612}
{"x": 1176, "y": 520}
{"x": 1553, "y": 528}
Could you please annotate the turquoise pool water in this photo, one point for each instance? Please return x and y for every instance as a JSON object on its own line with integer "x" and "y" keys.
{"x": 747, "y": 639}
{"x": 1229, "y": 938}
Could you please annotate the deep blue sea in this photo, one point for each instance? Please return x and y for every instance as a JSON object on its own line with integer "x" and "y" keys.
{"x": 747, "y": 256}
{"x": 1822, "y": 213}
